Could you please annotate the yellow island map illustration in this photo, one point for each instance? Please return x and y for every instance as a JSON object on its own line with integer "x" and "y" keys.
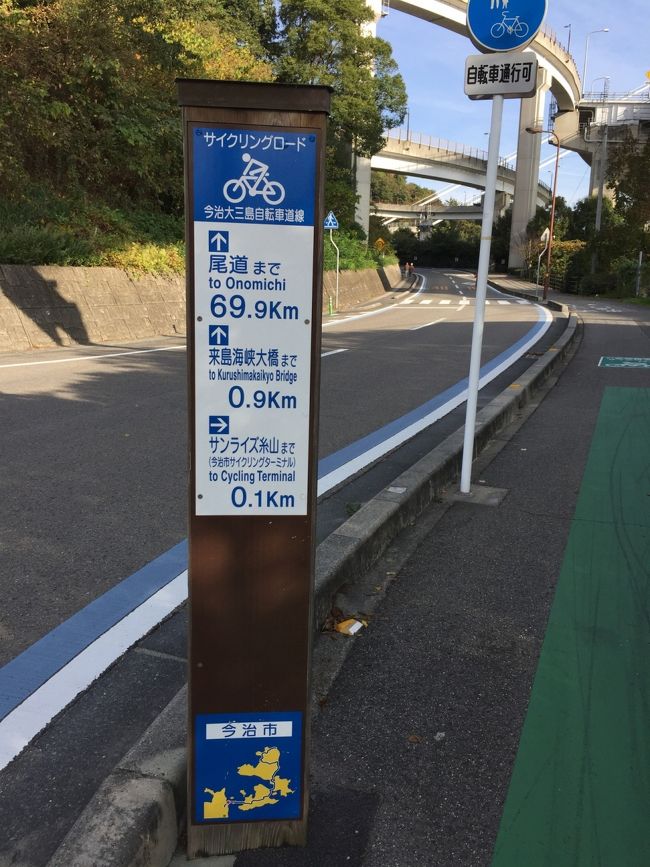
{"x": 265, "y": 793}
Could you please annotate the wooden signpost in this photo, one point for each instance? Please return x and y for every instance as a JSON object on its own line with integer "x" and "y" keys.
{"x": 254, "y": 157}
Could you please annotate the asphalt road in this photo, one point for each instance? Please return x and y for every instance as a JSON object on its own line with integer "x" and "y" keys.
{"x": 92, "y": 481}
{"x": 93, "y": 458}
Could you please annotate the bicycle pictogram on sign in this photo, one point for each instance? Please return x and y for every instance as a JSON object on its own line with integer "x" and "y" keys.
{"x": 509, "y": 26}
{"x": 254, "y": 180}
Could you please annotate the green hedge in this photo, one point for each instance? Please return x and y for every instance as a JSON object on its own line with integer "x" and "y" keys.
{"x": 46, "y": 229}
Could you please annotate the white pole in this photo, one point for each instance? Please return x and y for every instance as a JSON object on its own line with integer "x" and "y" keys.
{"x": 481, "y": 291}
{"x": 539, "y": 263}
{"x": 338, "y": 259}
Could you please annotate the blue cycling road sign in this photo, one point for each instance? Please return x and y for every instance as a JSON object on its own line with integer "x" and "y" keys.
{"x": 504, "y": 25}
{"x": 254, "y": 231}
{"x": 251, "y": 177}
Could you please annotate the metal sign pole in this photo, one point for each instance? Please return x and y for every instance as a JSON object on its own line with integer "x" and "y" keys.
{"x": 338, "y": 259}
{"x": 481, "y": 291}
{"x": 254, "y": 157}
{"x": 507, "y": 73}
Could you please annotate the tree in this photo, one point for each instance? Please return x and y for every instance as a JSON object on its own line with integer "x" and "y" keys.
{"x": 542, "y": 220}
{"x": 257, "y": 19}
{"x": 501, "y": 239}
{"x": 628, "y": 174}
{"x": 582, "y": 224}
{"x": 327, "y": 42}
{"x": 89, "y": 104}
{"x": 406, "y": 245}
{"x": 395, "y": 189}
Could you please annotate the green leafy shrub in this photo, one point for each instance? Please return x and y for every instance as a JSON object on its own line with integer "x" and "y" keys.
{"x": 49, "y": 229}
{"x": 355, "y": 254}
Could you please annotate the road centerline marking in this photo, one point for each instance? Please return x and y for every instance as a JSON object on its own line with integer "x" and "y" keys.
{"x": 92, "y": 357}
{"x": 427, "y": 324}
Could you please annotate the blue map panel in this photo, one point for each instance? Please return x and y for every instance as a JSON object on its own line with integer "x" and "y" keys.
{"x": 248, "y": 767}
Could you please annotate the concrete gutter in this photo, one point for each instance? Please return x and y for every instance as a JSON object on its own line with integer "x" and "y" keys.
{"x": 135, "y": 817}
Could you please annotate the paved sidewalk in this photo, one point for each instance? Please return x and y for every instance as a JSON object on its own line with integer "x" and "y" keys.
{"x": 414, "y": 749}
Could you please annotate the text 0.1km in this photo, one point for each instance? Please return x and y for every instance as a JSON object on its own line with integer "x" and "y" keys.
{"x": 262, "y": 499}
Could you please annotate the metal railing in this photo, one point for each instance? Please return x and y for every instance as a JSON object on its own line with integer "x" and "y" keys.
{"x": 422, "y": 140}
{"x": 608, "y": 96}
{"x": 550, "y": 34}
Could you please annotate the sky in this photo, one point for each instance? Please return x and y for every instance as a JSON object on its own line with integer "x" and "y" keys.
{"x": 432, "y": 60}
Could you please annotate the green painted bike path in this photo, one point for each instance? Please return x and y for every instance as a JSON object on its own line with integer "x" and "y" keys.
{"x": 580, "y": 789}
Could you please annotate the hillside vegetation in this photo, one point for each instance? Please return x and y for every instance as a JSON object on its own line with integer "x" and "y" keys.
{"x": 90, "y": 133}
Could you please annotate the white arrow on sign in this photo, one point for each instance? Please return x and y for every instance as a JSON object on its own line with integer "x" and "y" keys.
{"x": 219, "y": 335}
{"x": 219, "y": 424}
{"x": 219, "y": 240}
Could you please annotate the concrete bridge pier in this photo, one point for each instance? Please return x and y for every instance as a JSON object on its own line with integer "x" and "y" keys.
{"x": 529, "y": 147}
{"x": 362, "y": 164}
{"x": 362, "y": 212}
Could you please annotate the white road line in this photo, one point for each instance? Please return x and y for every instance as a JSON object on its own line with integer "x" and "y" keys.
{"x": 507, "y": 303}
{"x": 332, "y": 352}
{"x": 408, "y": 301}
{"x": 426, "y": 302}
{"x": 354, "y": 465}
{"x": 427, "y": 324}
{"x": 93, "y": 357}
{"x": 29, "y": 718}
{"x": 376, "y": 312}
{"x": 509, "y": 297}
{"x": 447, "y": 301}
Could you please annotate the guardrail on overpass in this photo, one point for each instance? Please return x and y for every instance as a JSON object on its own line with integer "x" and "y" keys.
{"x": 431, "y": 158}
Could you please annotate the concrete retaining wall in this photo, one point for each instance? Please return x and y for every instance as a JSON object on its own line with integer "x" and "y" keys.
{"x": 355, "y": 287}
{"x": 50, "y": 305}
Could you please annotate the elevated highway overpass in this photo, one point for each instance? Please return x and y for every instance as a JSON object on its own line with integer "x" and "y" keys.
{"x": 563, "y": 79}
{"x": 429, "y": 213}
{"x": 600, "y": 120}
{"x": 558, "y": 74}
{"x": 436, "y": 159}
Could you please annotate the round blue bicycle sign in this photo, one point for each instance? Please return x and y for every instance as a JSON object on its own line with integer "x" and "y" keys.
{"x": 504, "y": 25}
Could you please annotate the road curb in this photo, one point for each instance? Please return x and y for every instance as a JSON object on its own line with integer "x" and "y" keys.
{"x": 135, "y": 817}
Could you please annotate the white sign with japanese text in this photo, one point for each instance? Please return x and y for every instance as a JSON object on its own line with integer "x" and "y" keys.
{"x": 512, "y": 75}
{"x": 254, "y": 198}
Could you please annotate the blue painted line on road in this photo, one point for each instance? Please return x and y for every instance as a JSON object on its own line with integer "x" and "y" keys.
{"x": 354, "y": 450}
{"x": 537, "y": 329}
{"x": 36, "y": 665}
